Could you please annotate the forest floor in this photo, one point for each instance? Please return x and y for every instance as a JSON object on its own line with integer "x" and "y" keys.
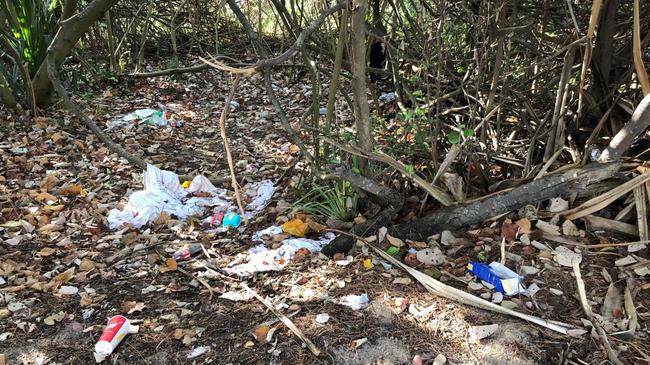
{"x": 57, "y": 184}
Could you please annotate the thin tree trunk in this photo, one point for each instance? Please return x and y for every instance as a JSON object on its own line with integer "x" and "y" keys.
{"x": 66, "y": 38}
{"x": 336, "y": 72}
{"x": 361, "y": 109}
{"x": 7, "y": 97}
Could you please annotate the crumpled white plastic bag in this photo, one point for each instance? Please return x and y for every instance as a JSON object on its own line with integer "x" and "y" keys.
{"x": 261, "y": 259}
{"x": 164, "y": 193}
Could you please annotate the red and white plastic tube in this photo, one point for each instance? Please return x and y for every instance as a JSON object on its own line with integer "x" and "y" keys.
{"x": 116, "y": 329}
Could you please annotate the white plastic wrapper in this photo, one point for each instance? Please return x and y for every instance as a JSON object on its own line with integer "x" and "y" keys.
{"x": 164, "y": 193}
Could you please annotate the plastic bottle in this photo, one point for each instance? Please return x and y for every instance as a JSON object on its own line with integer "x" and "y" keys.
{"x": 184, "y": 253}
{"x": 116, "y": 329}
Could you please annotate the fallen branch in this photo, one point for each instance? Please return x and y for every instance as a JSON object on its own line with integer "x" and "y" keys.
{"x": 310, "y": 345}
{"x": 70, "y": 105}
{"x": 224, "y": 138}
{"x": 585, "y": 306}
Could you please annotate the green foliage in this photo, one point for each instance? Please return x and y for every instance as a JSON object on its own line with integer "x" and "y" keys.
{"x": 336, "y": 201}
{"x": 454, "y": 136}
{"x": 31, "y": 24}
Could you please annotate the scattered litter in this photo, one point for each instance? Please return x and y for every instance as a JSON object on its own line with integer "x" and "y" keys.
{"x": 234, "y": 105}
{"x": 184, "y": 253}
{"x": 532, "y": 289}
{"x": 19, "y": 150}
{"x": 627, "y": 260}
{"x": 198, "y": 351}
{"x": 403, "y": 281}
{"x": 367, "y": 263}
{"x": 387, "y": 97}
{"x": 266, "y": 232}
{"x": 322, "y": 318}
{"x": 163, "y": 193}
{"x": 392, "y": 250}
{"x": 497, "y": 297}
{"x": 447, "y": 238}
{"x": 354, "y": 302}
{"x": 540, "y": 246}
{"x": 475, "y": 286}
{"x": 558, "y": 205}
{"x": 231, "y": 220}
{"x": 322, "y": 110}
{"x": 570, "y": 229}
{"x": 262, "y": 259}
{"x": 556, "y": 291}
{"x": 431, "y": 256}
{"x": 296, "y": 227}
{"x": 547, "y": 227}
{"x": 477, "y": 333}
{"x": 565, "y": 256}
{"x": 355, "y": 344}
{"x": 413, "y": 310}
{"x": 529, "y": 270}
{"x": 260, "y": 194}
{"x": 440, "y": 360}
{"x": 144, "y": 116}
{"x": 504, "y": 280}
{"x": 116, "y": 329}
{"x": 237, "y": 296}
{"x": 68, "y": 290}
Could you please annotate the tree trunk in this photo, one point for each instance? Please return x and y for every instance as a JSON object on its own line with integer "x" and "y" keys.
{"x": 361, "y": 110}
{"x": 6, "y": 95}
{"x": 66, "y": 38}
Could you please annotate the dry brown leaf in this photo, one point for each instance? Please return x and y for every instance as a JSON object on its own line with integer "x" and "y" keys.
{"x": 86, "y": 265}
{"x": 315, "y": 226}
{"x": 509, "y": 231}
{"x": 53, "y": 208}
{"x": 46, "y": 251}
{"x": 44, "y": 197}
{"x": 57, "y": 137}
{"x": 48, "y": 182}
{"x": 170, "y": 265}
{"x": 130, "y": 307}
{"x": 394, "y": 241}
{"x": 72, "y": 190}
{"x": 85, "y": 299}
{"x": 261, "y": 332}
{"x": 524, "y": 226}
{"x": 163, "y": 218}
{"x": 65, "y": 276}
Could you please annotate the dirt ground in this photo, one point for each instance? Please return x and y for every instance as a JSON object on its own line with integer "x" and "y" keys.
{"x": 177, "y": 313}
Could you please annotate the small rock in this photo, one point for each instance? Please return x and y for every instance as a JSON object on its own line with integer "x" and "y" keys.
{"x": 497, "y": 298}
{"x": 68, "y": 290}
{"x": 565, "y": 256}
{"x": 475, "y": 286}
{"x": 487, "y": 285}
{"x": 525, "y": 239}
{"x": 447, "y": 238}
{"x": 529, "y": 270}
{"x": 532, "y": 289}
{"x": 322, "y": 318}
{"x": 403, "y": 281}
{"x": 558, "y": 205}
{"x": 477, "y": 333}
{"x": 540, "y": 246}
{"x": 570, "y": 229}
{"x": 509, "y": 304}
{"x": 627, "y": 260}
{"x": 555, "y": 291}
{"x": 440, "y": 360}
{"x": 547, "y": 227}
{"x": 529, "y": 305}
{"x": 486, "y": 295}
